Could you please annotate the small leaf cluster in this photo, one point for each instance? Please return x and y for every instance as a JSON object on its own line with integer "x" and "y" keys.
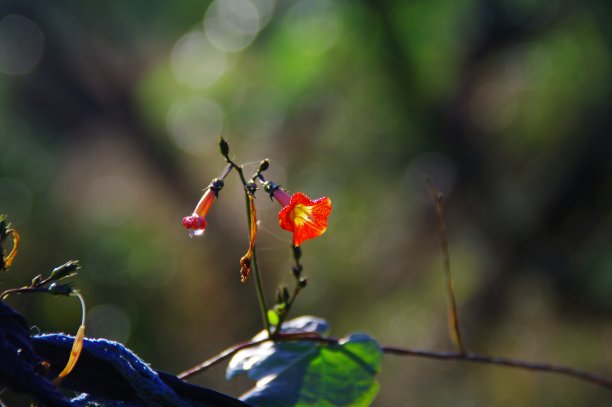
{"x": 49, "y": 284}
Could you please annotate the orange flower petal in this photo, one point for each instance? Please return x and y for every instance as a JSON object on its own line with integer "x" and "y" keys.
{"x": 245, "y": 261}
{"x": 305, "y": 218}
{"x": 75, "y": 352}
{"x": 8, "y": 260}
{"x": 205, "y": 202}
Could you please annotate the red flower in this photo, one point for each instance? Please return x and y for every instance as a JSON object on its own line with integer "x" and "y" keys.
{"x": 305, "y": 218}
{"x": 196, "y": 223}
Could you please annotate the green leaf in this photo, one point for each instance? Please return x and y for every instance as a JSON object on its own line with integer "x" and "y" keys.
{"x": 273, "y": 317}
{"x": 310, "y": 373}
{"x": 256, "y": 361}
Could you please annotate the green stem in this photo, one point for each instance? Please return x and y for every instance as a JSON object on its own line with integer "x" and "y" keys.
{"x": 285, "y": 314}
{"x": 260, "y": 294}
{"x": 258, "y": 283}
{"x": 22, "y": 290}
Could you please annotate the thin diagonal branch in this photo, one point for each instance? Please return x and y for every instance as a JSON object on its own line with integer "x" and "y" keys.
{"x": 263, "y": 307}
{"x": 584, "y": 375}
{"x": 562, "y": 370}
{"x": 453, "y": 318}
{"x": 231, "y": 351}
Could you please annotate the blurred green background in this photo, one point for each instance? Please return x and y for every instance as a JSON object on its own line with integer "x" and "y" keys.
{"x": 109, "y": 115}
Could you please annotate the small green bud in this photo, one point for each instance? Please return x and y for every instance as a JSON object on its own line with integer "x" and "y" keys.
{"x": 264, "y": 165}
{"x": 60, "y": 289}
{"x": 273, "y": 317}
{"x": 297, "y": 271}
{"x": 65, "y": 270}
{"x": 223, "y": 146}
{"x": 3, "y": 227}
{"x": 285, "y": 295}
{"x": 279, "y": 294}
{"x": 36, "y": 280}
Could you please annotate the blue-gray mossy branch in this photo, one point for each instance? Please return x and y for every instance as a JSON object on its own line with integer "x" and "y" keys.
{"x": 106, "y": 374}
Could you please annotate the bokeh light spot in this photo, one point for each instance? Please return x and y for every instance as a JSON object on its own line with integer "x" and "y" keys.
{"x": 21, "y": 45}
{"x": 196, "y": 63}
{"x": 108, "y": 321}
{"x": 265, "y": 9}
{"x": 110, "y": 201}
{"x": 195, "y": 123}
{"x": 231, "y": 25}
{"x": 314, "y": 25}
{"x": 261, "y": 112}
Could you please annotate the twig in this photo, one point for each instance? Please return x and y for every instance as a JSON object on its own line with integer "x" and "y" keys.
{"x": 263, "y": 307}
{"x": 453, "y": 318}
{"x": 231, "y": 351}
{"x": 77, "y": 345}
{"x": 22, "y": 290}
{"x": 300, "y": 283}
{"x": 583, "y": 375}
{"x": 226, "y": 354}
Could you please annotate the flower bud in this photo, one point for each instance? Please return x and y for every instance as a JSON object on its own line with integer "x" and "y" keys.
{"x": 60, "y": 289}
{"x": 297, "y": 271}
{"x": 36, "y": 280}
{"x": 65, "y": 270}
{"x": 285, "y": 294}
{"x": 264, "y": 165}
{"x": 279, "y": 295}
{"x": 3, "y": 228}
{"x": 223, "y": 147}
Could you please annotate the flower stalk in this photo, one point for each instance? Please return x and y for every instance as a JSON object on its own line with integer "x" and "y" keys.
{"x": 285, "y": 302}
{"x": 261, "y": 298}
{"x": 49, "y": 284}
{"x": 453, "y": 316}
{"x": 77, "y": 346}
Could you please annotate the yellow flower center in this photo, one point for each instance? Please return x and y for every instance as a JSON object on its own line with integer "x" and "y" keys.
{"x": 301, "y": 215}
